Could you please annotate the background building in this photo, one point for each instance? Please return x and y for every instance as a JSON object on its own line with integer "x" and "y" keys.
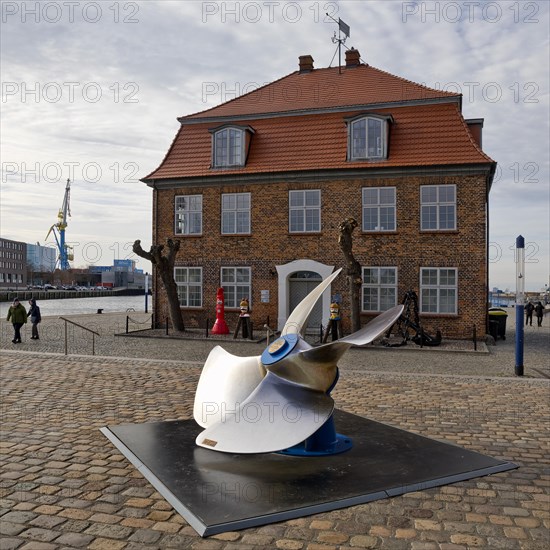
{"x": 122, "y": 273}
{"x": 41, "y": 258}
{"x": 255, "y": 190}
{"x": 13, "y": 264}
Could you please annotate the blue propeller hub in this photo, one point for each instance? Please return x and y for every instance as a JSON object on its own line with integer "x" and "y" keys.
{"x": 279, "y": 349}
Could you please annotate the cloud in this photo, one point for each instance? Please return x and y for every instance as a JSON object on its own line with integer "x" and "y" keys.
{"x": 104, "y": 91}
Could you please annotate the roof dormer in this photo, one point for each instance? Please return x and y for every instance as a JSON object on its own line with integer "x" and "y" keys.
{"x": 368, "y": 136}
{"x": 230, "y": 145}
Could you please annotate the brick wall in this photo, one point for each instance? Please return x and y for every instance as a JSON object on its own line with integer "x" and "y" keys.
{"x": 270, "y": 244}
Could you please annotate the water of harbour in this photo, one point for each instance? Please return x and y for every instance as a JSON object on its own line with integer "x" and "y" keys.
{"x": 78, "y": 306}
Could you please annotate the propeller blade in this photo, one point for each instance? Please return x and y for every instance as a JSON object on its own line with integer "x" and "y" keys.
{"x": 276, "y": 416}
{"x": 315, "y": 368}
{"x": 373, "y": 328}
{"x": 226, "y": 381}
{"x": 298, "y": 318}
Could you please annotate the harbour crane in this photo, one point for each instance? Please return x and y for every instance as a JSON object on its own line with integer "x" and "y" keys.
{"x": 58, "y": 230}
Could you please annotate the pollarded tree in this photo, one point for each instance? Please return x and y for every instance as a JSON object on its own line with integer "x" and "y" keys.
{"x": 165, "y": 266}
{"x": 353, "y": 270}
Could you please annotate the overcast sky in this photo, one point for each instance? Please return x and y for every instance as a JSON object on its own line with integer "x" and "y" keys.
{"x": 91, "y": 91}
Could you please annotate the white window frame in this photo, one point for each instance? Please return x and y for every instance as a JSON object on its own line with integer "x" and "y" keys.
{"x": 234, "y": 289}
{"x": 191, "y": 208}
{"x": 380, "y": 287}
{"x": 185, "y": 285}
{"x": 437, "y": 206}
{"x": 231, "y": 153}
{"x": 236, "y": 212}
{"x": 301, "y": 212}
{"x": 381, "y": 206}
{"x": 360, "y": 140}
{"x": 438, "y": 291}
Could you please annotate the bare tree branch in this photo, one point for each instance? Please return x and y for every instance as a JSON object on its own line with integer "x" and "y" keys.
{"x": 353, "y": 269}
{"x": 165, "y": 266}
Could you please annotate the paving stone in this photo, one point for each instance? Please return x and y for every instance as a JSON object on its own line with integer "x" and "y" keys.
{"x": 257, "y": 540}
{"x": 469, "y": 541}
{"x": 47, "y": 522}
{"x": 8, "y": 528}
{"x": 229, "y": 536}
{"x": 34, "y": 545}
{"x": 110, "y": 531}
{"x": 19, "y": 517}
{"x": 106, "y": 544}
{"x": 166, "y": 527}
{"x": 72, "y": 513}
{"x": 286, "y": 544}
{"x": 105, "y": 518}
{"x": 177, "y": 541}
{"x": 159, "y": 515}
{"x": 9, "y": 543}
{"x": 363, "y": 541}
{"x": 138, "y": 523}
{"x": 24, "y": 506}
{"x": 145, "y": 536}
{"x": 74, "y": 526}
{"x": 332, "y": 537}
{"x": 42, "y": 535}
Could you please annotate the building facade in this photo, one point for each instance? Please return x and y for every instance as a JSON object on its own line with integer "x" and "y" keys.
{"x": 13, "y": 264}
{"x": 255, "y": 190}
{"x": 41, "y": 258}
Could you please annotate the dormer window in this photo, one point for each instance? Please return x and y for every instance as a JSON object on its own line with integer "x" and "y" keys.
{"x": 230, "y": 146}
{"x": 368, "y": 137}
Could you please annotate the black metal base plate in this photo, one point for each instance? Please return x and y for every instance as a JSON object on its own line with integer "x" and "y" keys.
{"x": 217, "y": 492}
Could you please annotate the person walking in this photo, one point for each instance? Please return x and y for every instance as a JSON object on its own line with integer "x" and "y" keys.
{"x": 529, "y": 308}
{"x": 18, "y": 317}
{"x": 34, "y": 314}
{"x": 539, "y": 310}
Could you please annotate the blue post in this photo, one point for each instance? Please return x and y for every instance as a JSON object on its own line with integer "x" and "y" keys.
{"x": 519, "y": 339}
{"x": 520, "y": 302}
{"x": 146, "y": 290}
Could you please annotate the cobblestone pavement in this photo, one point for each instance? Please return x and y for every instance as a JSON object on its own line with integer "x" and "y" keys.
{"x": 64, "y": 485}
{"x": 451, "y": 358}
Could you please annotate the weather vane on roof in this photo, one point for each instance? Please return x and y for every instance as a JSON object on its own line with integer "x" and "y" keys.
{"x": 343, "y": 29}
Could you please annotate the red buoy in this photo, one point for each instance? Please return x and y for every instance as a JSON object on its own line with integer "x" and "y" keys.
{"x": 220, "y": 327}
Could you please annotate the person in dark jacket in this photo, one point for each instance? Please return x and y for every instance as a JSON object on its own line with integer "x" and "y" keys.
{"x": 539, "y": 310}
{"x": 34, "y": 314}
{"x": 529, "y": 308}
{"x": 18, "y": 317}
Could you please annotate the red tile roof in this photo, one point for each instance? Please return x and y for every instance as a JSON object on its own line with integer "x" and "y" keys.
{"x": 322, "y": 89}
{"x": 424, "y": 133}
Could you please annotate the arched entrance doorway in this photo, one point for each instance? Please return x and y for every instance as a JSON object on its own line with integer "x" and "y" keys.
{"x": 299, "y": 285}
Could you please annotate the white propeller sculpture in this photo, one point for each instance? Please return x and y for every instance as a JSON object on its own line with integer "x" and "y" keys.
{"x": 277, "y": 400}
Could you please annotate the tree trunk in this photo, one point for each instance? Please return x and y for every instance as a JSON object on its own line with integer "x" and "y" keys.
{"x": 165, "y": 265}
{"x": 353, "y": 270}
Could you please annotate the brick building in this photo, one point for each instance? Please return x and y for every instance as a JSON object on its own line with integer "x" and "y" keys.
{"x": 255, "y": 189}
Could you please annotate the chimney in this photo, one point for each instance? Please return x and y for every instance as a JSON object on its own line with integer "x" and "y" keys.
{"x": 352, "y": 58}
{"x": 475, "y": 125}
{"x": 306, "y": 63}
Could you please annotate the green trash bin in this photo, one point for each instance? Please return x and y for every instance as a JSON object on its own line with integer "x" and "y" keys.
{"x": 497, "y": 323}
